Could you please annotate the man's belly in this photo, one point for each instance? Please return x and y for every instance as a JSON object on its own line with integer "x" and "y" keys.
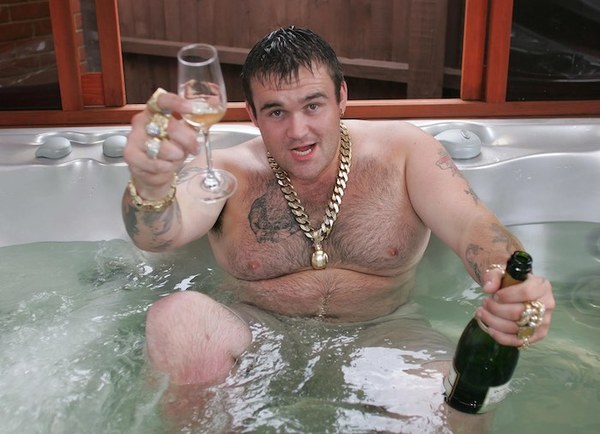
{"x": 335, "y": 295}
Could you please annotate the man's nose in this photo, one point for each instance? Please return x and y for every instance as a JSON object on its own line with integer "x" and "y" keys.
{"x": 298, "y": 126}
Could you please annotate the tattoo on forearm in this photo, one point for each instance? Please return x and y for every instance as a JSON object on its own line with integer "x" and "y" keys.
{"x": 130, "y": 218}
{"x": 503, "y": 236}
{"x": 159, "y": 224}
{"x": 478, "y": 258}
{"x": 474, "y": 260}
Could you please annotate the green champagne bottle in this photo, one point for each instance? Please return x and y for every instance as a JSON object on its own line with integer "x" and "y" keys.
{"x": 481, "y": 371}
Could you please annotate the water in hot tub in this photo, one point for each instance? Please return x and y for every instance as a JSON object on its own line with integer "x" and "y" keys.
{"x": 72, "y": 345}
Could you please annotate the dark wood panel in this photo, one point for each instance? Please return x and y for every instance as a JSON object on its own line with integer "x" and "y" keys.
{"x": 427, "y": 31}
{"x": 375, "y": 39}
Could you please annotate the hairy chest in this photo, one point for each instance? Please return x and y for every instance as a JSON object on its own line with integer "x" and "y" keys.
{"x": 375, "y": 232}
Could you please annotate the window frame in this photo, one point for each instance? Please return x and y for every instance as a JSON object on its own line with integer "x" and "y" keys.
{"x": 99, "y": 98}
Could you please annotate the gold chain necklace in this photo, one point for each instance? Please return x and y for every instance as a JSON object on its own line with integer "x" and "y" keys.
{"x": 319, "y": 258}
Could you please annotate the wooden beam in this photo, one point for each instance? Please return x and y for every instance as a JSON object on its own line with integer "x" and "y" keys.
{"x": 164, "y": 48}
{"x": 93, "y": 89}
{"x": 111, "y": 58}
{"x": 373, "y": 109}
{"x": 353, "y": 67}
{"x": 498, "y": 50}
{"x": 471, "y": 85}
{"x": 67, "y": 57}
{"x": 456, "y": 108}
{"x": 375, "y": 69}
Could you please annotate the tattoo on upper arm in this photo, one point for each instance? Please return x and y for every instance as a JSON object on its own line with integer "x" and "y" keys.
{"x": 469, "y": 191}
{"x": 445, "y": 162}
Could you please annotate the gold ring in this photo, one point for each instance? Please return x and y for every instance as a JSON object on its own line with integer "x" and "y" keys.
{"x": 152, "y": 102}
{"x": 531, "y": 318}
{"x": 525, "y": 344}
{"x": 157, "y": 127}
{"x": 153, "y": 147}
{"x": 483, "y": 326}
{"x": 533, "y": 314}
{"x": 497, "y": 267}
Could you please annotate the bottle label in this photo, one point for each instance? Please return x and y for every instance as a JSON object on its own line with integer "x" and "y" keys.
{"x": 494, "y": 396}
{"x": 450, "y": 381}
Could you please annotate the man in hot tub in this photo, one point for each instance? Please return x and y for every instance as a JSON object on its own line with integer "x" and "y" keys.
{"x": 371, "y": 194}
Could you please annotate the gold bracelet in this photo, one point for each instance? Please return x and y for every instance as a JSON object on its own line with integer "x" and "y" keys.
{"x": 152, "y": 205}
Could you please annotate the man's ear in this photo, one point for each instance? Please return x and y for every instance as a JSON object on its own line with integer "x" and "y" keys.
{"x": 251, "y": 113}
{"x": 343, "y": 97}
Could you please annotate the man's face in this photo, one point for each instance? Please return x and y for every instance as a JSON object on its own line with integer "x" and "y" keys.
{"x": 299, "y": 121}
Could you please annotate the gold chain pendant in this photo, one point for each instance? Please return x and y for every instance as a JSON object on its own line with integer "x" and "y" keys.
{"x": 319, "y": 258}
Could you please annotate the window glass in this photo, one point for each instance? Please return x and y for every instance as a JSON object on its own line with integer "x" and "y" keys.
{"x": 89, "y": 50}
{"x": 28, "y": 72}
{"x": 555, "y": 50}
{"x": 28, "y": 76}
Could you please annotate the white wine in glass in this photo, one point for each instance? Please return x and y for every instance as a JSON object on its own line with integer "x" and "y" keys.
{"x": 200, "y": 80}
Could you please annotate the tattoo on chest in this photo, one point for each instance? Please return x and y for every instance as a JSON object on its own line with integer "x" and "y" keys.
{"x": 269, "y": 220}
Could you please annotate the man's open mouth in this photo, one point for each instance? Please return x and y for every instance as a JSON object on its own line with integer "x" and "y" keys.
{"x": 302, "y": 151}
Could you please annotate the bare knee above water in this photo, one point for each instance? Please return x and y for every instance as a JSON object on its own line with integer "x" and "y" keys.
{"x": 193, "y": 338}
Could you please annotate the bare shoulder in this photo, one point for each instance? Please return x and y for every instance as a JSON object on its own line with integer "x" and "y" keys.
{"x": 250, "y": 155}
{"x": 388, "y": 135}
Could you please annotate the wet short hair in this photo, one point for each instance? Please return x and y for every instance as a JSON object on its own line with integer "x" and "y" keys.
{"x": 282, "y": 53}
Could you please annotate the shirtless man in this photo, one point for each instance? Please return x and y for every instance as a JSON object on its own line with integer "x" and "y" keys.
{"x": 399, "y": 189}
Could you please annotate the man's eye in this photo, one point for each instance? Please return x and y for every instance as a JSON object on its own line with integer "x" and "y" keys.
{"x": 313, "y": 107}
{"x": 276, "y": 113}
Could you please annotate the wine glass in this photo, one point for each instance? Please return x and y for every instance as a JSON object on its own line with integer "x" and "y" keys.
{"x": 200, "y": 80}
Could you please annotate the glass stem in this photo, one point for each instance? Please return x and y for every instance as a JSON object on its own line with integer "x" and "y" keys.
{"x": 211, "y": 182}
